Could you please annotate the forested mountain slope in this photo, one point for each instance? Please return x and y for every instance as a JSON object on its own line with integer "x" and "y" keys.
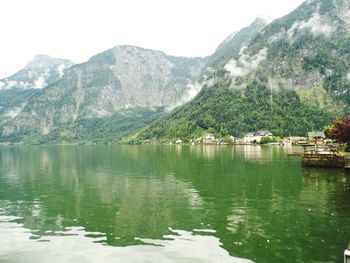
{"x": 292, "y": 77}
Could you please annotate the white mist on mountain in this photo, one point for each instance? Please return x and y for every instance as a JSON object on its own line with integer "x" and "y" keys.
{"x": 37, "y": 74}
{"x": 39, "y": 83}
{"x": 192, "y": 91}
{"x": 316, "y": 24}
{"x": 245, "y": 63}
{"x": 61, "y": 68}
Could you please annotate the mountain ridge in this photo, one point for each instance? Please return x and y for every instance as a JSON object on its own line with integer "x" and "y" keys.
{"x": 112, "y": 82}
{"x": 304, "y": 54}
{"x": 288, "y": 76}
{"x": 41, "y": 71}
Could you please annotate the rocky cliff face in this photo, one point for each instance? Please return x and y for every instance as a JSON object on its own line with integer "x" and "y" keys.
{"x": 305, "y": 50}
{"x": 111, "y": 82}
{"x": 232, "y": 45}
{"x": 16, "y": 90}
{"x": 37, "y": 74}
{"x": 288, "y": 76}
{"x": 291, "y": 77}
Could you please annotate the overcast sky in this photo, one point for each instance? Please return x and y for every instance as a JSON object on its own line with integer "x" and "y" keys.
{"x": 78, "y": 29}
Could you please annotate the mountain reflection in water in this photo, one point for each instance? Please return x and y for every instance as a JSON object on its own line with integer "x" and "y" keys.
{"x": 169, "y": 204}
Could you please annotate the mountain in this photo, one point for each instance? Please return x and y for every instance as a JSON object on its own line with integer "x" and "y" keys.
{"x": 231, "y": 46}
{"x": 308, "y": 51}
{"x": 123, "y": 85}
{"x": 292, "y": 77}
{"x": 37, "y": 74}
{"x": 226, "y": 112}
{"x": 121, "y": 82}
{"x": 289, "y": 77}
{"x": 15, "y": 90}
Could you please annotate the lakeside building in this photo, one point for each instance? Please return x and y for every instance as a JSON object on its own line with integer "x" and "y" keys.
{"x": 255, "y": 137}
{"x": 209, "y": 139}
{"x": 179, "y": 141}
{"x": 294, "y": 140}
{"x": 318, "y": 135}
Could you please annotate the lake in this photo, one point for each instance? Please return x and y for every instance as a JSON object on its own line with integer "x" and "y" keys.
{"x": 169, "y": 204}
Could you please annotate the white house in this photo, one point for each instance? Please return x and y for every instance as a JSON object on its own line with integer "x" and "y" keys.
{"x": 178, "y": 141}
{"x": 249, "y": 137}
{"x": 316, "y": 135}
{"x": 255, "y": 137}
{"x": 208, "y": 138}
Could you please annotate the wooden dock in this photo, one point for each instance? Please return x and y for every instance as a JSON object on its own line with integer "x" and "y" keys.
{"x": 294, "y": 154}
{"x": 347, "y": 162}
{"x": 322, "y": 156}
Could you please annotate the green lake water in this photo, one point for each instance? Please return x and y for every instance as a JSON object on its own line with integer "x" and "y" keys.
{"x": 169, "y": 204}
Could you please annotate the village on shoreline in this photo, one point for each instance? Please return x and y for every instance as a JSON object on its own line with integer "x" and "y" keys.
{"x": 261, "y": 137}
{"x": 318, "y": 150}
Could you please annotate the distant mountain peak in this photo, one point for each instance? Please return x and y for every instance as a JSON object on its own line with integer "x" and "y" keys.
{"x": 42, "y": 60}
{"x": 38, "y": 73}
{"x": 262, "y": 20}
{"x": 231, "y": 46}
{"x": 133, "y": 48}
{"x": 125, "y": 47}
{"x": 290, "y": 77}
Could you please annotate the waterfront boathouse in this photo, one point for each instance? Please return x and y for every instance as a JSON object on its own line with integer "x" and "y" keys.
{"x": 322, "y": 156}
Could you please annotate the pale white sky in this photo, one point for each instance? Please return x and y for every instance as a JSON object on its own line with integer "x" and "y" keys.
{"x": 78, "y": 29}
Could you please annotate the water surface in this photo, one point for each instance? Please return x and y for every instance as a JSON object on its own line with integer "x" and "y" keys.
{"x": 169, "y": 204}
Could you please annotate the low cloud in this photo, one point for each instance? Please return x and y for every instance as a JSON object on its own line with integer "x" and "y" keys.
{"x": 245, "y": 63}
{"x": 61, "y": 69}
{"x": 8, "y": 84}
{"x": 192, "y": 90}
{"x": 315, "y": 24}
{"x": 12, "y": 83}
{"x": 348, "y": 76}
{"x": 40, "y": 83}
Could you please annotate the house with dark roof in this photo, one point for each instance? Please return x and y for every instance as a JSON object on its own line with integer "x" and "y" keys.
{"x": 316, "y": 135}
